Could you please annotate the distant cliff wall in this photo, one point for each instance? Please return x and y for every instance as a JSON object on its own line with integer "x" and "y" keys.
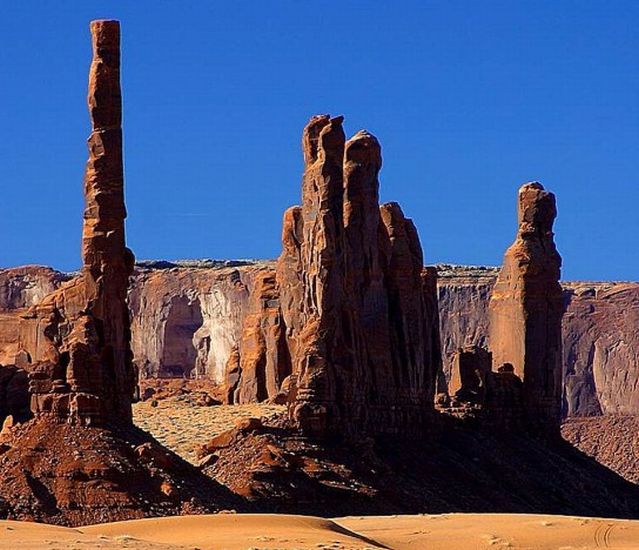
{"x": 187, "y": 318}
{"x": 600, "y": 334}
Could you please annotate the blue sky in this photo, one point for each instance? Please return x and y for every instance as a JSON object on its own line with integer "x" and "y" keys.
{"x": 468, "y": 99}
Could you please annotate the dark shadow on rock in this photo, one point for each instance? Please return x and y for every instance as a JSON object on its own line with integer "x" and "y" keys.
{"x": 459, "y": 467}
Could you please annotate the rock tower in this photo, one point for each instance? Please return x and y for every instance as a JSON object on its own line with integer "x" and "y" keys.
{"x": 526, "y": 309}
{"x": 360, "y": 315}
{"x": 83, "y": 371}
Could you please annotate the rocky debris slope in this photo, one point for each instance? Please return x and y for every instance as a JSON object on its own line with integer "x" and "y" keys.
{"x": 611, "y": 440}
{"x": 458, "y": 468}
{"x": 77, "y": 476}
{"x": 182, "y": 422}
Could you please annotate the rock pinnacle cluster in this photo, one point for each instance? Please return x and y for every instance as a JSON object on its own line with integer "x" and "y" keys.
{"x": 361, "y": 329}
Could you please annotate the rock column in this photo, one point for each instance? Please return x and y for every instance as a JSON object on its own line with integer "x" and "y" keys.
{"x": 526, "y": 308}
{"x": 84, "y": 370}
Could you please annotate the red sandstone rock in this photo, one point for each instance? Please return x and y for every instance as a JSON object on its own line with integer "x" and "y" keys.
{"x": 361, "y": 331}
{"x": 83, "y": 368}
{"x": 526, "y": 309}
{"x": 262, "y": 360}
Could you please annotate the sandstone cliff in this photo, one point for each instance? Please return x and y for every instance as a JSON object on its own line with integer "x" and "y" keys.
{"x": 601, "y": 348}
{"x": 200, "y": 307}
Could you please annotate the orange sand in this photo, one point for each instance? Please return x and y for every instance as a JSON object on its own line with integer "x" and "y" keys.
{"x": 283, "y": 532}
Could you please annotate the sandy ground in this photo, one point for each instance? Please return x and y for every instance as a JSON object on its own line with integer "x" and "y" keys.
{"x": 282, "y": 532}
{"x": 183, "y": 427}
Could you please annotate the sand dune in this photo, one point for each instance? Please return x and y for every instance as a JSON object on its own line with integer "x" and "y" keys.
{"x": 283, "y": 532}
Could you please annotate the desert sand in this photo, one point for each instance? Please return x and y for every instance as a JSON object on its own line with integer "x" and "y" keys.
{"x": 285, "y": 532}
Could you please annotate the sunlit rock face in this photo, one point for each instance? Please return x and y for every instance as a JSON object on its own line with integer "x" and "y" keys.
{"x": 526, "y": 309}
{"x": 79, "y": 335}
{"x": 360, "y": 328}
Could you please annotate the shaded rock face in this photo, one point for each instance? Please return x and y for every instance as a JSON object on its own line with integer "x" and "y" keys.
{"x": 352, "y": 296}
{"x": 80, "y": 336}
{"x": 601, "y": 349}
{"x": 526, "y": 309}
{"x": 463, "y": 295}
{"x": 471, "y": 368}
{"x": 14, "y": 394}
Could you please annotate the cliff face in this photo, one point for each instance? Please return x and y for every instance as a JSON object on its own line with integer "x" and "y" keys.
{"x": 463, "y": 296}
{"x": 599, "y": 334}
{"x": 185, "y": 321}
{"x": 21, "y": 288}
{"x": 200, "y": 309}
{"x": 601, "y": 348}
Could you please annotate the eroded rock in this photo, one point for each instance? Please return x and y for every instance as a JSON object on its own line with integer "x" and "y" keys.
{"x": 80, "y": 336}
{"x": 360, "y": 319}
{"x": 526, "y": 309}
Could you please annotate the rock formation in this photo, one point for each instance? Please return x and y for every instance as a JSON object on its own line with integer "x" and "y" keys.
{"x": 352, "y": 296}
{"x": 80, "y": 460}
{"x": 599, "y": 337}
{"x": 526, "y": 308}
{"x": 167, "y": 301}
{"x": 469, "y": 377}
{"x": 80, "y": 334}
{"x": 261, "y": 360}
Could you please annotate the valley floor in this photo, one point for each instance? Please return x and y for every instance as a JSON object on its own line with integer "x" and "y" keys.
{"x": 182, "y": 425}
{"x": 287, "y": 532}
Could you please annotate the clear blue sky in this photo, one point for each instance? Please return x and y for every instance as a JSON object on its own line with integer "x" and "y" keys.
{"x": 469, "y": 100}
